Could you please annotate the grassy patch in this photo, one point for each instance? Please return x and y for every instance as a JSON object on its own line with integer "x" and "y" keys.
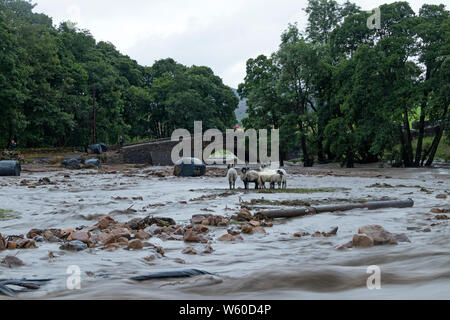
{"x": 302, "y": 190}
{"x": 7, "y": 215}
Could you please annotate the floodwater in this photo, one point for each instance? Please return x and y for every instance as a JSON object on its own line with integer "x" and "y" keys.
{"x": 275, "y": 265}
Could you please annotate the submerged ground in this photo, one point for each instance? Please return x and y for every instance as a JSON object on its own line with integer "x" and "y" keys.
{"x": 271, "y": 265}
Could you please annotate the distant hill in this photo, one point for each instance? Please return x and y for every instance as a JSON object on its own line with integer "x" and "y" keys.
{"x": 241, "y": 112}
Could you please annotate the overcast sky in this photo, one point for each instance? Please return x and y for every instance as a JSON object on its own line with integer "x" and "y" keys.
{"x": 221, "y": 34}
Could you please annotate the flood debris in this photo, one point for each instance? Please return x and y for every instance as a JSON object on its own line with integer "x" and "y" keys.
{"x": 371, "y": 205}
{"x": 27, "y": 284}
{"x": 10, "y": 168}
{"x": 171, "y": 274}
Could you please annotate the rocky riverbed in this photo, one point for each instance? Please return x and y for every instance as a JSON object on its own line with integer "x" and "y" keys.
{"x": 122, "y": 221}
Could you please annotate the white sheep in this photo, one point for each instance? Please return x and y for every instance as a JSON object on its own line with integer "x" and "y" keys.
{"x": 265, "y": 176}
{"x": 280, "y": 178}
{"x": 250, "y": 176}
{"x": 232, "y": 177}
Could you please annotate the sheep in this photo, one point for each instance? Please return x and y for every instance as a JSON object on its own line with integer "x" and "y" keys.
{"x": 265, "y": 176}
{"x": 232, "y": 177}
{"x": 250, "y": 176}
{"x": 279, "y": 178}
{"x": 284, "y": 176}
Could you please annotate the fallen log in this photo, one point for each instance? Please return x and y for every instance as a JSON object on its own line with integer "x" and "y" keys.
{"x": 171, "y": 274}
{"x": 344, "y": 207}
{"x": 10, "y": 168}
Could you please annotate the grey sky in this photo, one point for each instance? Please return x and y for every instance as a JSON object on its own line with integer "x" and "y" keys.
{"x": 221, "y": 34}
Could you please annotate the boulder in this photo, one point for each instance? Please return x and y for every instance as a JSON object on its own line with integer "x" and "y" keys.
{"x": 75, "y": 245}
{"x": 378, "y": 234}
{"x": 362, "y": 241}
{"x": 135, "y": 244}
{"x": 191, "y": 236}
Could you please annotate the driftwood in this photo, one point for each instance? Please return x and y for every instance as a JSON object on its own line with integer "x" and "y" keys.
{"x": 344, "y": 207}
{"x": 171, "y": 274}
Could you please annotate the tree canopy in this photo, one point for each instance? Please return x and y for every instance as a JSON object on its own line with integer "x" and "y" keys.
{"x": 55, "y": 79}
{"x": 341, "y": 91}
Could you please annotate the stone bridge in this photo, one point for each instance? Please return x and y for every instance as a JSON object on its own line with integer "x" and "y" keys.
{"x": 156, "y": 153}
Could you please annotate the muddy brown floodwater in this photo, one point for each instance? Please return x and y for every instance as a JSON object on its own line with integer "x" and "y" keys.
{"x": 274, "y": 265}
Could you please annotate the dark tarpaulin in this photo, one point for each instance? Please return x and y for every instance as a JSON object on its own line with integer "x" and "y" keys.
{"x": 10, "y": 168}
{"x": 189, "y": 167}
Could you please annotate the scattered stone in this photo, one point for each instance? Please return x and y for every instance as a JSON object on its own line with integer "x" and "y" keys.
{"x": 229, "y": 237}
{"x": 247, "y": 229}
{"x": 441, "y": 196}
{"x": 378, "y": 234}
{"x": 12, "y": 261}
{"x": 11, "y": 245}
{"x": 259, "y": 230}
{"x": 191, "y": 236}
{"x": 112, "y": 246}
{"x": 150, "y": 258}
{"x": 441, "y": 217}
{"x": 208, "y": 250}
{"x": 142, "y": 235}
{"x": 75, "y": 245}
{"x": 345, "y": 246}
{"x": 301, "y": 234}
{"x": 426, "y": 230}
{"x": 233, "y": 232}
{"x": 33, "y": 233}
{"x": 244, "y": 215}
{"x": 255, "y": 223}
{"x": 189, "y": 250}
{"x": 401, "y": 237}
{"x": 106, "y": 222}
{"x": 26, "y": 244}
{"x": 80, "y": 236}
{"x": 135, "y": 244}
{"x": 362, "y": 241}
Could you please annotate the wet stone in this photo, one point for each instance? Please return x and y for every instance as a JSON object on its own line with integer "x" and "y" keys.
{"x": 12, "y": 261}
{"x": 362, "y": 241}
{"x": 75, "y": 245}
{"x": 189, "y": 250}
{"x": 135, "y": 244}
{"x": 378, "y": 234}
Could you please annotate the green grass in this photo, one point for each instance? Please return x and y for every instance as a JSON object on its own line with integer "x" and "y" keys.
{"x": 7, "y": 215}
{"x": 443, "y": 151}
{"x": 302, "y": 190}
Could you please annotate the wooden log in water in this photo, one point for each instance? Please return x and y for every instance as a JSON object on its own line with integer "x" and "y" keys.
{"x": 290, "y": 213}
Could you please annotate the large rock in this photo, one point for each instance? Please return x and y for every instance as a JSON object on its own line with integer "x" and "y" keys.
{"x": 378, "y": 234}
{"x": 191, "y": 236}
{"x": 362, "y": 241}
{"x": 80, "y": 236}
{"x": 135, "y": 244}
{"x": 74, "y": 246}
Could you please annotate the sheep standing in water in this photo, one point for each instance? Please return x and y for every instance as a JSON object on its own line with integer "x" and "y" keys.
{"x": 250, "y": 176}
{"x": 232, "y": 177}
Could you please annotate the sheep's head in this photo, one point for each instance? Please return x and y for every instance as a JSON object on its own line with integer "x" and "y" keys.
{"x": 280, "y": 172}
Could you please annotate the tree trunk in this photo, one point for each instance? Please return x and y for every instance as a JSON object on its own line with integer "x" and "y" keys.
{"x": 436, "y": 140}
{"x": 421, "y": 124}
{"x": 408, "y": 160}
